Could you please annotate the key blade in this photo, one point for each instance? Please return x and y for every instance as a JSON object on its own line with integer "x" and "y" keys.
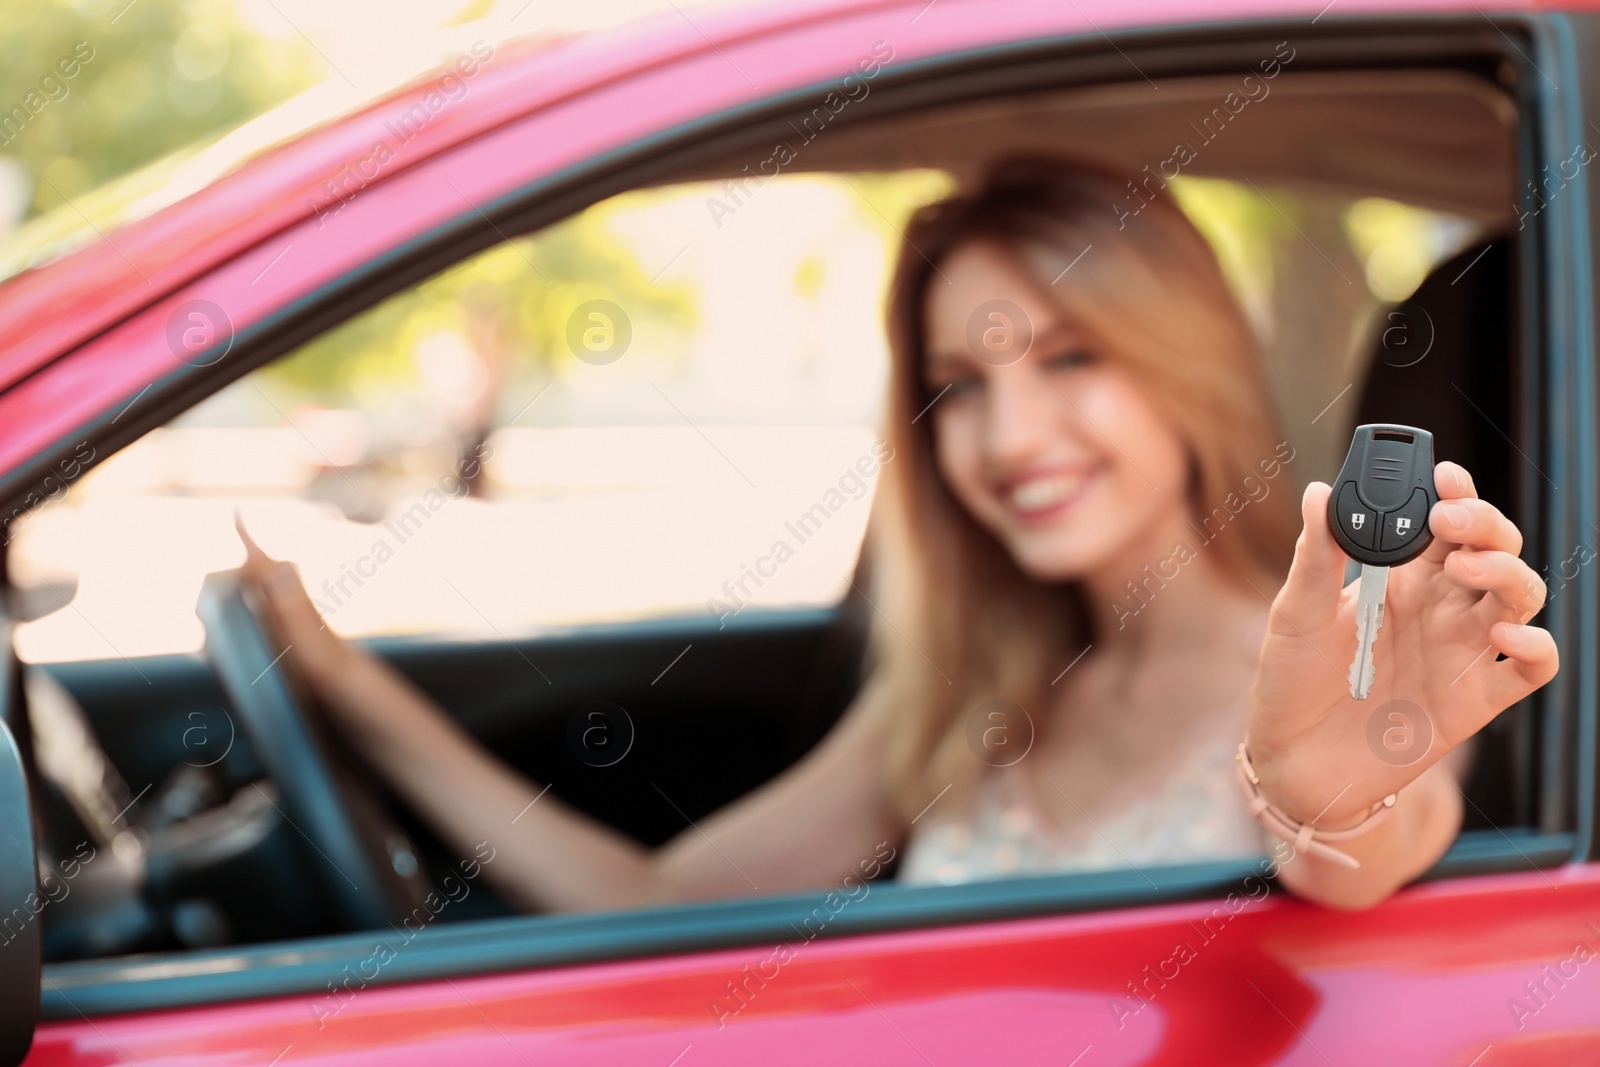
{"x": 1362, "y": 671}
{"x": 1374, "y": 589}
{"x": 1369, "y": 619}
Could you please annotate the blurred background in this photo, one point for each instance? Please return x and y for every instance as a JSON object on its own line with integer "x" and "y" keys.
{"x": 460, "y": 458}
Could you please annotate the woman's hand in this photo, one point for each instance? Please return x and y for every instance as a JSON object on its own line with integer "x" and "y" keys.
{"x": 317, "y": 650}
{"x": 1326, "y": 757}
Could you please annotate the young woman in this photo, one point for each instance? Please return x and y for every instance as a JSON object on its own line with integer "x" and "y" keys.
{"x": 1080, "y": 549}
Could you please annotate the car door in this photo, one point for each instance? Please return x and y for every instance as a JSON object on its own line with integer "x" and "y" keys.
{"x": 1488, "y": 958}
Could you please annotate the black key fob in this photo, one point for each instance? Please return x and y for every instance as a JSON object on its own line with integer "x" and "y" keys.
{"x": 1379, "y": 508}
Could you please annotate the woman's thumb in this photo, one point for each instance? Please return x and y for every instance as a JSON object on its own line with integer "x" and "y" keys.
{"x": 1316, "y": 577}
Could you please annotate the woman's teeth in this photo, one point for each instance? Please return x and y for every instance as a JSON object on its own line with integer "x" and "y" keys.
{"x": 1040, "y": 493}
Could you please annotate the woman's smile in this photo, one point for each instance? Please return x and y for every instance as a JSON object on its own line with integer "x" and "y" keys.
{"x": 1042, "y": 495}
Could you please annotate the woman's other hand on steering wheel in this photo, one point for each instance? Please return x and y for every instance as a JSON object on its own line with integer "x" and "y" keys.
{"x": 318, "y": 651}
{"x": 1438, "y": 679}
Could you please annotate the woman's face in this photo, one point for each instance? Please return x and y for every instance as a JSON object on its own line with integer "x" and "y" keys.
{"x": 1059, "y": 453}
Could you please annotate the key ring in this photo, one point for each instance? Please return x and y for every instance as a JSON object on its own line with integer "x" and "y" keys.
{"x": 1303, "y": 835}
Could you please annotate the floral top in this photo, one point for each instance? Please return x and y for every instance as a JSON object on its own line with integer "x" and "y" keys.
{"x": 1197, "y": 815}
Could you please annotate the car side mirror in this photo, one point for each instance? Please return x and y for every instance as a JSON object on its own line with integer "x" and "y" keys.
{"x": 20, "y": 902}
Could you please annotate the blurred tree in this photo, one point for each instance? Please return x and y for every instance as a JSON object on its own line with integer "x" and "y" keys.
{"x": 887, "y": 200}
{"x": 512, "y": 303}
{"x": 149, "y": 77}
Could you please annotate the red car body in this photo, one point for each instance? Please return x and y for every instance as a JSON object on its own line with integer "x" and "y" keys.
{"x": 1426, "y": 978}
{"x": 1491, "y": 969}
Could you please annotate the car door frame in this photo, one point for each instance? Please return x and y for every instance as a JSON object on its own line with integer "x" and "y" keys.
{"x": 1558, "y": 336}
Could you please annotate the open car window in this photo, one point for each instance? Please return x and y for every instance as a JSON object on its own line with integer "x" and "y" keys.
{"x": 662, "y": 411}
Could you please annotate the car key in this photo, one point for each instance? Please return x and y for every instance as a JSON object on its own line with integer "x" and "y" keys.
{"x": 1378, "y": 512}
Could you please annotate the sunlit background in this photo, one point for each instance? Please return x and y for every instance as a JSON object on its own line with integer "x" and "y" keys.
{"x": 751, "y": 387}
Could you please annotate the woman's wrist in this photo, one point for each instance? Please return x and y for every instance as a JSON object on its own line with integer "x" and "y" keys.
{"x": 1275, "y": 784}
{"x": 1332, "y": 818}
{"x": 1392, "y": 855}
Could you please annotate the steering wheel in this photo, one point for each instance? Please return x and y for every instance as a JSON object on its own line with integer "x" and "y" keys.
{"x": 365, "y": 866}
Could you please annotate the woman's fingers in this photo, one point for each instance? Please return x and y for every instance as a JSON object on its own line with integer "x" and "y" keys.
{"x": 1531, "y": 661}
{"x": 254, "y": 558}
{"x": 1515, "y": 591}
{"x": 1310, "y": 595}
{"x": 293, "y": 613}
{"x": 278, "y": 579}
{"x": 1472, "y": 523}
{"x": 1453, "y": 481}
{"x": 287, "y": 593}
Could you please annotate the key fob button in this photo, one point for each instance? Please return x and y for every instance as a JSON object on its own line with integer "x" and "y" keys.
{"x": 1404, "y": 526}
{"x": 1360, "y": 522}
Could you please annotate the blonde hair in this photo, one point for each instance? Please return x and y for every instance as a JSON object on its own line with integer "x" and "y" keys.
{"x": 960, "y": 624}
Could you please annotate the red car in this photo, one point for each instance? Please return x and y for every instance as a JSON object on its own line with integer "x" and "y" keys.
{"x": 1483, "y": 118}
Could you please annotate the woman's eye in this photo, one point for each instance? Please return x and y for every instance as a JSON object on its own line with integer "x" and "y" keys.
{"x": 1070, "y": 359}
{"x": 956, "y": 388}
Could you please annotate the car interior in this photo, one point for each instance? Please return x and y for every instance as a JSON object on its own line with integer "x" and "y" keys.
{"x": 213, "y": 846}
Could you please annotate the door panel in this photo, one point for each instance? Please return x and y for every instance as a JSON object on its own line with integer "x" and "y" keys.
{"x": 1436, "y": 975}
{"x": 714, "y": 712}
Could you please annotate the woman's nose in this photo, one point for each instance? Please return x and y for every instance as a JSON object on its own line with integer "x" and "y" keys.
{"x": 1021, "y": 413}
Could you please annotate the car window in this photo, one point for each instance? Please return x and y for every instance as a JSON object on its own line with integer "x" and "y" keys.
{"x": 620, "y": 417}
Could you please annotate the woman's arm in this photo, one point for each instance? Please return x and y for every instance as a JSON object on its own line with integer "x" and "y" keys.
{"x": 808, "y": 827}
{"x": 1409, "y": 842}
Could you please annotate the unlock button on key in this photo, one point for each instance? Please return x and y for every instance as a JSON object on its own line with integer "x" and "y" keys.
{"x": 1403, "y": 526}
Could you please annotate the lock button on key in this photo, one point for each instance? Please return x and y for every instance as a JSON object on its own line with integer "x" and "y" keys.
{"x": 1403, "y": 526}
{"x": 1360, "y": 522}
